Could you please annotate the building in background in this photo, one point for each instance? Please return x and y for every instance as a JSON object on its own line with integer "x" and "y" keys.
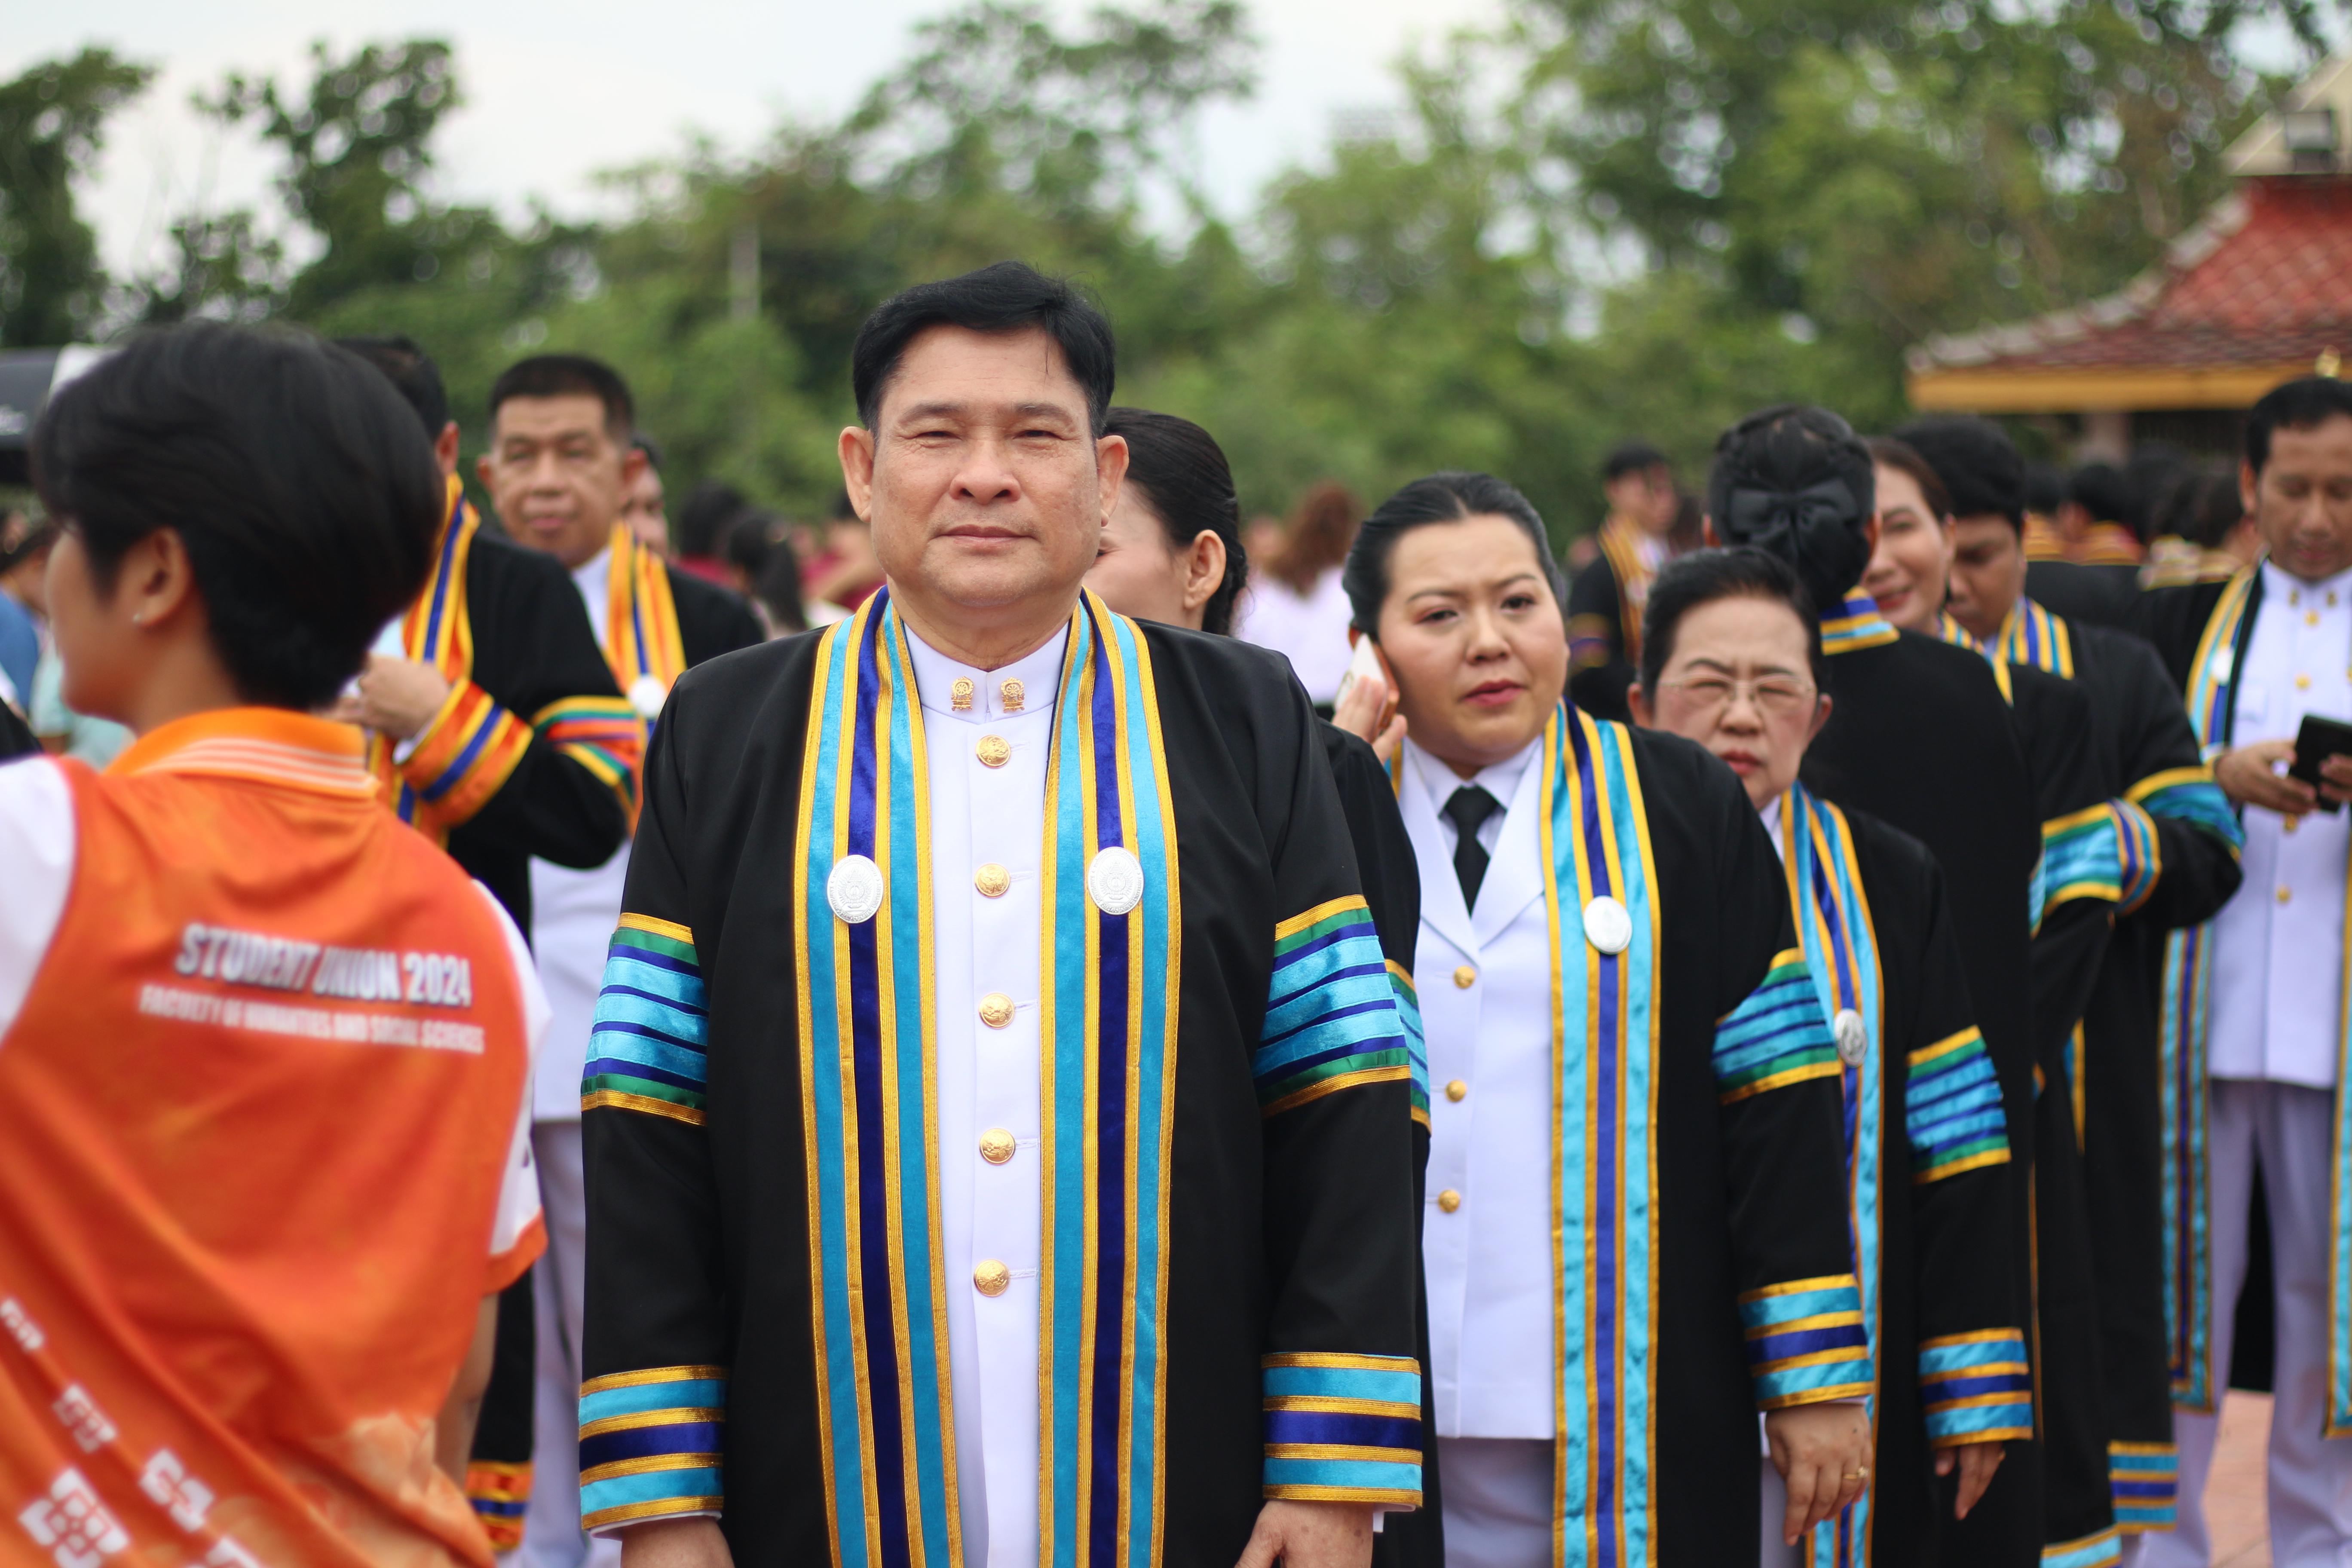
{"x": 2258, "y": 291}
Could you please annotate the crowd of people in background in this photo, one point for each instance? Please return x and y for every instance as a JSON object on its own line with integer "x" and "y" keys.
{"x": 1030, "y": 1010}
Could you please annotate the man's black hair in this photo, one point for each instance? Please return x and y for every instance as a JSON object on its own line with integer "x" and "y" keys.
{"x": 1184, "y": 479}
{"x": 1000, "y": 300}
{"x": 1631, "y": 457}
{"x": 2301, "y": 405}
{"x": 2045, "y": 489}
{"x": 710, "y": 509}
{"x": 412, "y": 370}
{"x": 1704, "y": 576}
{"x": 2103, "y": 491}
{"x": 1978, "y": 462}
{"x": 1448, "y": 496}
{"x": 292, "y": 472}
{"x": 1797, "y": 481}
{"x": 571, "y": 375}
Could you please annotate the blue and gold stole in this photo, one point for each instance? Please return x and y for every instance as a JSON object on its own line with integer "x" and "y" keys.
{"x": 1832, "y": 911}
{"x": 1107, "y": 1074}
{"x": 1857, "y": 624}
{"x": 641, "y": 641}
{"x": 1604, "y": 1178}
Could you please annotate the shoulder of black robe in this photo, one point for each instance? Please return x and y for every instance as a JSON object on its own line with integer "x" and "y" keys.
{"x": 711, "y": 620}
{"x": 2084, "y": 595}
{"x": 2142, "y": 717}
{"x": 16, "y": 738}
{"x": 533, "y": 648}
{"x": 1948, "y": 1264}
{"x": 1287, "y": 1232}
{"x": 2173, "y": 620}
{"x": 1384, "y": 858}
{"x": 1599, "y": 675}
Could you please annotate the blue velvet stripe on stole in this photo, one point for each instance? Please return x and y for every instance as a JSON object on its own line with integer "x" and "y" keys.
{"x": 1952, "y": 1110}
{"x": 1976, "y": 1387}
{"x": 1330, "y": 1010}
{"x": 1108, "y": 1081}
{"x": 1596, "y": 843}
{"x": 1343, "y": 1428}
{"x": 1832, "y": 911}
{"x": 867, "y": 1065}
{"x": 1416, "y": 1044}
{"x": 2181, "y": 1041}
{"x": 651, "y": 1445}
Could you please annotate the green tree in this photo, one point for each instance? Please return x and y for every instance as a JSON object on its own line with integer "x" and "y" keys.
{"x": 52, "y": 286}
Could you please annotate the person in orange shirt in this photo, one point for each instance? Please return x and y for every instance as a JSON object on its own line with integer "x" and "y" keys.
{"x": 266, "y": 1048}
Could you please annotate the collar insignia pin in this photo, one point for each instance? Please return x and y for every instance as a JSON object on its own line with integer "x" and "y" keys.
{"x": 1015, "y": 695}
{"x": 960, "y": 695}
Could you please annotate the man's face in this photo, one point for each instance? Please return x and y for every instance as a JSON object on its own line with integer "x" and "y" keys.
{"x": 2301, "y": 502}
{"x": 557, "y": 476}
{"x": 985, "y": 485}
{"x": 1988, "y": 573}
{"x": 1645, "y": 495}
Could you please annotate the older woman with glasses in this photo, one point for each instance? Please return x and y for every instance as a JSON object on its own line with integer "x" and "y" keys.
{"x": 1732, "y": 659}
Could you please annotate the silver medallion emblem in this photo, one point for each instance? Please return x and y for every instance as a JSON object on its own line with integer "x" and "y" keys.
{"x": 1115, "y": 880}
{"x": 1852, "y": 1039}
{"x": 646, "y": 694}
{"x": 854, "y": 888}
{"x": 2223, "y": 662}
{"x": 1607, "y": 926}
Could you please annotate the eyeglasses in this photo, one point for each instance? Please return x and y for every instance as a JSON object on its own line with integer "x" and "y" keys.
{"x": 1775, "y": 695}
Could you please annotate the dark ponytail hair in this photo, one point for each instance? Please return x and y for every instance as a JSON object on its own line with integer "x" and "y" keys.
{"x": 1796, "y": 482}
{"x": 1704, "y": 576}
{"x": 1189, "y": 487}
{"x": 1448, "y": 496}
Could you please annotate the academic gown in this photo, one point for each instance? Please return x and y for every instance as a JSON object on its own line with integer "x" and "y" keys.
{"x": 711, "y": 620}
{"x": 1921, "y": 738}
{"x": 2086, "y": 595}
{"x": 2095, "y": 855}
{"x": 2164, "y": 797}
{"x": 1693, "y": 1063}
{"x": 1926, "y": 1142}
{"x": 1241, "y": 1324}
{"x": 1391, "y": 883}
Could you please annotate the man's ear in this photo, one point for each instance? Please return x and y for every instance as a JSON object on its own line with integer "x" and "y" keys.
{"x": 633, "y": 467}
{"x": 1707, "y": 533}
{"x": 445, "y": 449}
{"x": 2250, "y": 485}
{"x": 1110, "y": 465}
{"x": 856, "y": 446}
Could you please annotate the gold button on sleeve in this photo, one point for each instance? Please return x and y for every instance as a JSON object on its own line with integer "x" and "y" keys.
{"x": 992, "y": 880}
{"x": 997, "y": 1145}
{"x": 1449, "y": 1199}
{"x": 996, "y": 1009}
{"x": 1456, "y": 1089}
{"x": 2284, "y": 894}
{"x": 993, "y": 751}
{"x": 1465, "y": 977}
{"x": 2303, "y": 683}
{"x": 990, "y": 1278}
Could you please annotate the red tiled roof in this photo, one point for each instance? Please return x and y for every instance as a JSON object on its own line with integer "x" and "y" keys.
{"x": 2267, "y": 280}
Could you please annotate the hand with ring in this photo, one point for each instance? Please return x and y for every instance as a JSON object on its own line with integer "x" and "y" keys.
{"x": 1822, "y": 1451}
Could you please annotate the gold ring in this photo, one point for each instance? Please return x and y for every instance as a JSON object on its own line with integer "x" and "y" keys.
{"x": 1860, "y": 1474}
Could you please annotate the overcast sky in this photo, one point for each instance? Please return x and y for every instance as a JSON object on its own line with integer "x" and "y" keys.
{"x": 557, "y": 91}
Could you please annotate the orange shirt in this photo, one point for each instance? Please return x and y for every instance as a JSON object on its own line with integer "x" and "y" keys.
{"x": 268, "y": 1152}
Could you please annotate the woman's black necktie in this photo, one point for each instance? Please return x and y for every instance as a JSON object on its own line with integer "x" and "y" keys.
{"x": 1468, "y": 810}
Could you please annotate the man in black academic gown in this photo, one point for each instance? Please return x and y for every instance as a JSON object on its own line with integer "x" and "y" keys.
{"x": 1604, "y": 602}
{"x": 563, "y": 463}
{"x": 999, "y": 1130}
{"x": 1929, "y": 744}
{"x": 2176, "y": 861}
{"x": 498, "y": 731}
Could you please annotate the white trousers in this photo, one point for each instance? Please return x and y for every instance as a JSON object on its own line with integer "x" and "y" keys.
{"x": 2287, "y": 1129}
{"x": 551, "y": 1530}
{"x": 1498, "y": 1501}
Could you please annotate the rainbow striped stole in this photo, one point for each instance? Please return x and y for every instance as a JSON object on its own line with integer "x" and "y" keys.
{"x": 2033, "y": 635}
{"x": 436, "y": 631}
{"x": 641, "y": 641}
{"x": 1841, "y": 947}
{"x": 1856, "y": 626}
{"x": 1604, "y": 1178}
{"x": 1108, "y": 994}
{"x": 1621, "y": 545}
